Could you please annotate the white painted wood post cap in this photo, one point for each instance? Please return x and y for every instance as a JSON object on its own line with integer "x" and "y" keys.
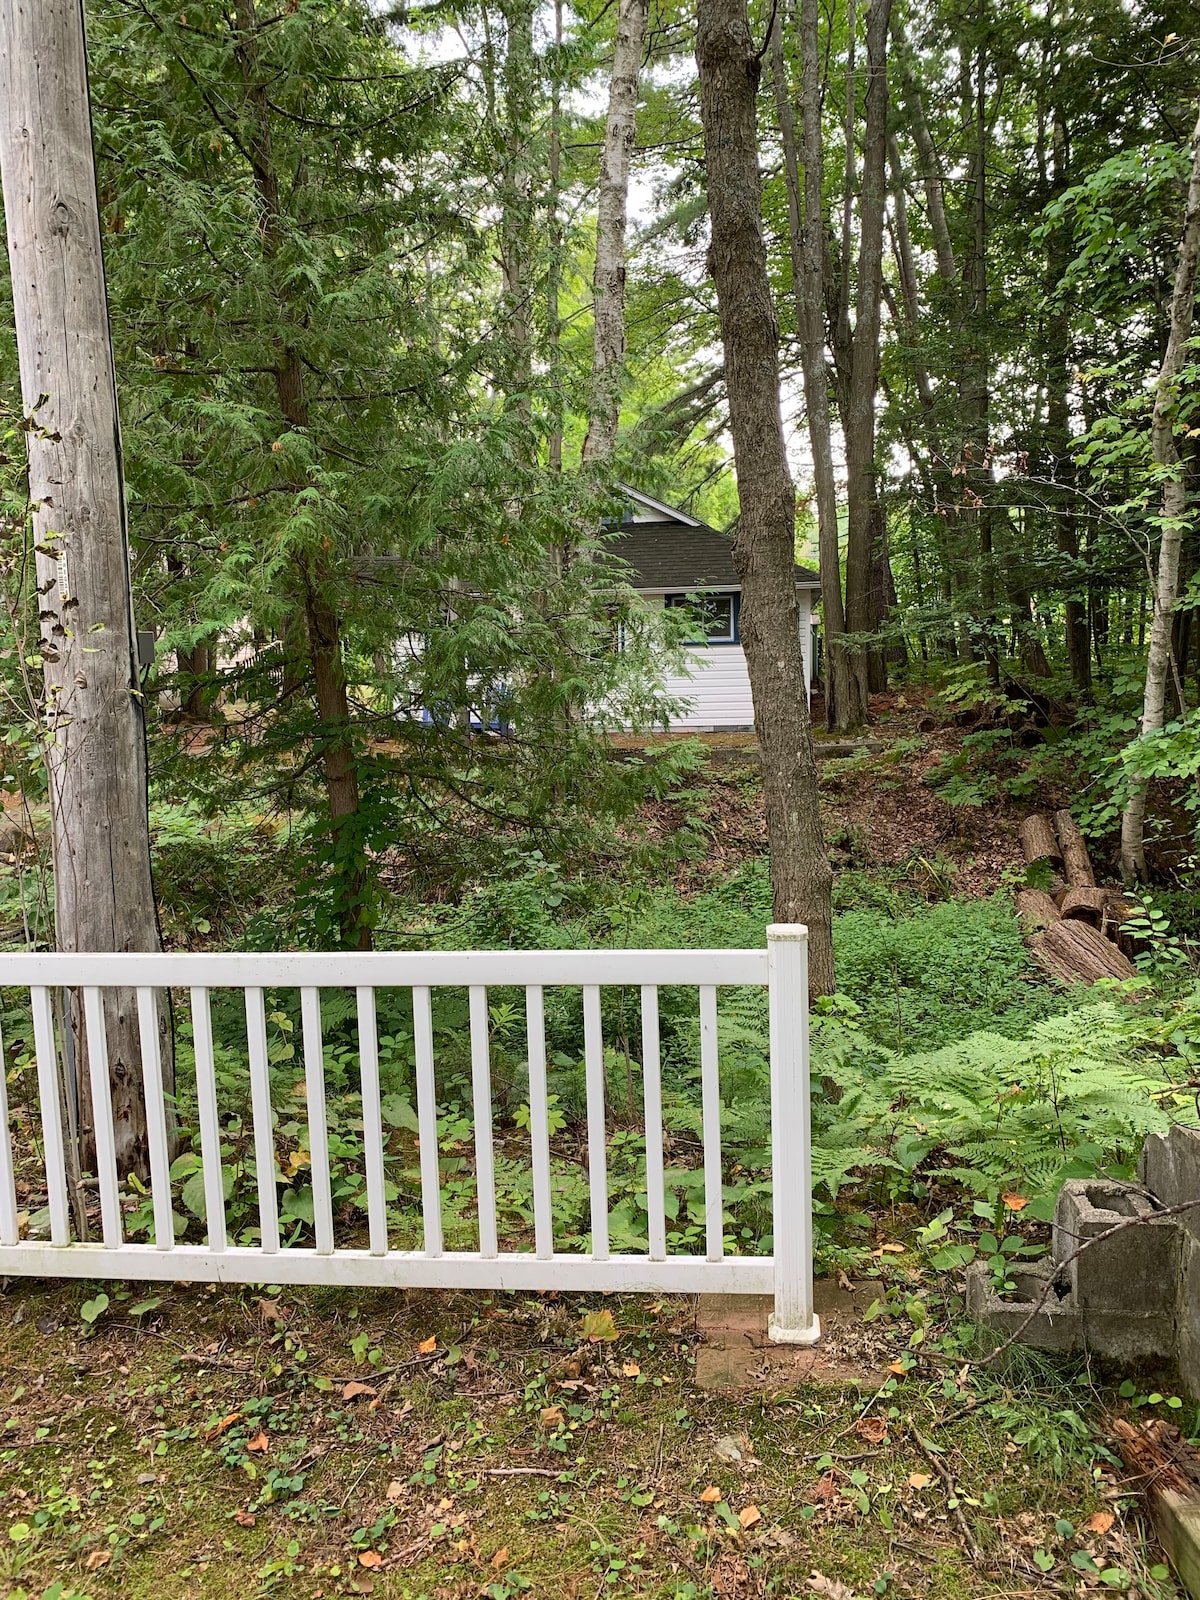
{"x": 788, "y": 930}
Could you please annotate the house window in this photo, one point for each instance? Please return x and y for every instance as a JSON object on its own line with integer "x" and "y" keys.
{"x": 716, "y": 613}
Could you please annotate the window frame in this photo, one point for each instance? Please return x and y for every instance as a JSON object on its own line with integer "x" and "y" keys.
{"x": 689, "y": 599}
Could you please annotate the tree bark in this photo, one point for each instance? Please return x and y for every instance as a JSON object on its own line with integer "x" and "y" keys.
{"x": 764, "y": 552}
{"x": 858, "y": 422}
{"x": 608, "y": 296}
{"x": 806, "y": 236}
{"x": 1165, "y": 451}
{"x": 95, "y": 741}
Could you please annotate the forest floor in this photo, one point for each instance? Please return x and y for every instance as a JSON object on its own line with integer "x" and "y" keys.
{"x": 321, "y": 1443}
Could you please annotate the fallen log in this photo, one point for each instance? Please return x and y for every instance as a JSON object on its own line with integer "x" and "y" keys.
{"x": 1036, "y": 909}
{"x": 1038, "y": 840}
{"x": 1075, "y": 952}
{"x": 1076, "y": 861}
{"x": 1168, "y": 1475}
{"x": 1087, "y": 905}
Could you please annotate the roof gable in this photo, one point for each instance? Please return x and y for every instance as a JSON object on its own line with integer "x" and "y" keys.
{"x": 671, "y": 551}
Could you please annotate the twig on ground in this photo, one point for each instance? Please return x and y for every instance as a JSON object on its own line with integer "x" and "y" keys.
{"x": 523, "y": 1472}
{"x": 951, "y": 1487}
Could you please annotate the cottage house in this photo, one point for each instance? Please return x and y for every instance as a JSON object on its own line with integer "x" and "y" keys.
{"x": 675, "y": 559}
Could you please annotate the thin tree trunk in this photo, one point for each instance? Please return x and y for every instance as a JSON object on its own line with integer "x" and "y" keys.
{"x": 858, "y": 422}
{"x": 806, "y": 236}
{"x": 1165, "y": 452}
{"x": 764, "y": 552}
{"x": 322, "y": 625}
{"x": 554, "y": 273}
{"x": 608, "y": 297}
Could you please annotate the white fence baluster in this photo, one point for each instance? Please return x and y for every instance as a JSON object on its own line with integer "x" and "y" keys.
{"x": 481, "y": 1096}
{"x": 156, "y": 1119}
{"x": 656, "y": 1208}
{"x": 794, "y": 1321}
{"x": 264, "y": 1131}
{"x": 539, "y": 1121}
{"x": 593, "y": 1056}
{"x": 431, "y": 1183}
{"x": 368, "y": 1058}
{"x": 52, "y": 1130}
{"x": 102, "y": 1117}
{"x": 714, "y": 1222}
{"x": 318, "y": 1125}
{"x": 9, "y": 1227}
{"x": 210, "y": 1126}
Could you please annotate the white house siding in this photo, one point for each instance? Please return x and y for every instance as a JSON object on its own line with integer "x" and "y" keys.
{"x": 719, "y": 686}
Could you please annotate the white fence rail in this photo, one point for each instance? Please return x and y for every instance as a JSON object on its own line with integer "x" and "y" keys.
{"x": 782, "y": 967}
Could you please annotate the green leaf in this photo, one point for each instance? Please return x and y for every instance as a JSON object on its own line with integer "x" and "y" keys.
{"x": 90, "y": 1310}
{"x": 397, "y": 1112}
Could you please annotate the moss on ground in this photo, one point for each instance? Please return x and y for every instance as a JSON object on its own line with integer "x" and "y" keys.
{"x": 321, "y": 1443}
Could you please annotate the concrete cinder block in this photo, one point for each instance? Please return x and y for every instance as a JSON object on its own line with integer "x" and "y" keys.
{"x": 1170, "y": 1168}
{"x": 1055, "y": 1327}
{"x": 1137, "y": 1270}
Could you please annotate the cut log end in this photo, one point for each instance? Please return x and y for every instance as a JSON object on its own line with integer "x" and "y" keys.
{"x": 1087, "y": 905}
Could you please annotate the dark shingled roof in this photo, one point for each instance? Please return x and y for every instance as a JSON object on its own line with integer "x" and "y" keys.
{"x": 672, "y": 556}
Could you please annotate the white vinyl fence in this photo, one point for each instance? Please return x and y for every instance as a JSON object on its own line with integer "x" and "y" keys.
{"x": 782, "y": 967}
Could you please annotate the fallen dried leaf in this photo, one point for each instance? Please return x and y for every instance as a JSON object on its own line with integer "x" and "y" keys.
{"x": 1100, "y": 1522}
{"x": 825, "y": 1488}
{"x": 395, "y": 1489}
{"x": 1015, "y": 1202}
{"x": 872, "y": 1429}
{"x": 631, "y": 1370}
{"x": 427, "y": 1346}
{"x": 353, "y": 1389}
{"x": 269, "y": 1311}
{"x": 370, "y": 1558}
{"x": 500, "y": 1558}
{"x": 711, "y": 1495}
{"x": 362, "y": 1583}
{"x": 919, "y": 1480}
{"x": 225, "y": 1422}
{"x": 98, "y": 1559}
{"x": 749, "y": 1515}
{"x": 551, "y": 1416}
{"x": 844, "y": 1282}
{"x": 244, "y": 1519}
{"x": 897, "y": 1367}
{"x": 259, "y": 1443}
{"x": 820, "y": 1584}
{"x": 598, "y": 1327}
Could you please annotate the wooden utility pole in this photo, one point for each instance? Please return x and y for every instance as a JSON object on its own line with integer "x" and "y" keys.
{"x": 765, "y": 549}
{"x": 95, "y": 738}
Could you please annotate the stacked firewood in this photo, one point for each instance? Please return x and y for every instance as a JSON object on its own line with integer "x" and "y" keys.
{"x": 1074, "y": 926}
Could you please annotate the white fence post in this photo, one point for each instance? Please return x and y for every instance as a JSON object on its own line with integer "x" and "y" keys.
{"x": 793, "y": 1321}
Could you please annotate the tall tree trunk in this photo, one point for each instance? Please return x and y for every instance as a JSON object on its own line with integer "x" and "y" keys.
{"x": 806, "y": 236}
{"x": 95, "y": 743}
{"x": 1174, "y": 510}
{"x": 554, "y": 271}
{"x": 516, "y": 205}
{"x": 322, "y": 625}
{"x": 858, "y": 421}
{"x": 765, "y": 549}
{"x": 608, "y": 298}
